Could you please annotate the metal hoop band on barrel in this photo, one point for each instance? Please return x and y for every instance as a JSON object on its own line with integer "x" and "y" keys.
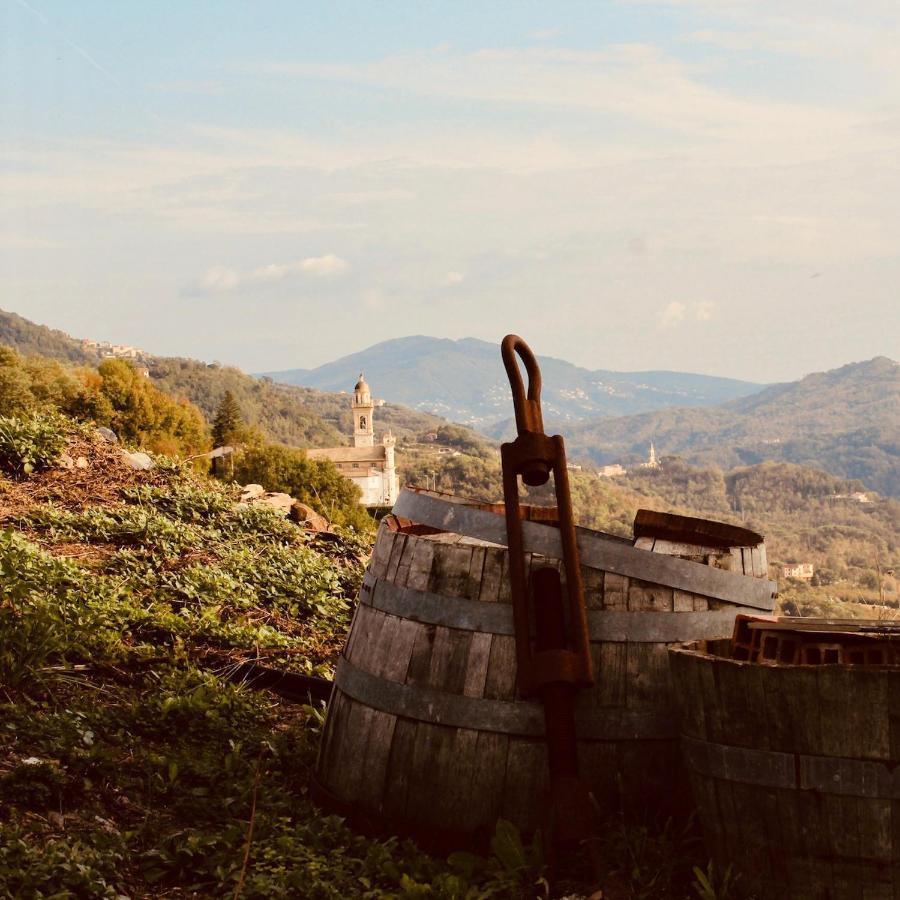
{"x": 502, "y": 716}
{"x": 596, "y": 551}
{"x": 794, "y": 771}
{"x": 496, "y": 618}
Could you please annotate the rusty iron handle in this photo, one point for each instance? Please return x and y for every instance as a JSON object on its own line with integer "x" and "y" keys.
{"x": 527, "y": 406}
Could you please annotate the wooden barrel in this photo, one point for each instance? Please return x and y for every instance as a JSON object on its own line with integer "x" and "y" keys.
{"x": 795, "y": 771}
{"x": 425, "y": 732}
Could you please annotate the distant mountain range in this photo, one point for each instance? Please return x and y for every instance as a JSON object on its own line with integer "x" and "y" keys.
{"x": 845, "y": 421}
{"x": 464, "y": 381}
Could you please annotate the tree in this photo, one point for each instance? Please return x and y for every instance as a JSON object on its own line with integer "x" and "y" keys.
{"x": 315, "y": 482}
{"x": 146, "y": 417}
{"x": 228, "y": 422}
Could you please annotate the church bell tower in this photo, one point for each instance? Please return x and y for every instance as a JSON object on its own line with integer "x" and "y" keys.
{"x": 363, "y": 407}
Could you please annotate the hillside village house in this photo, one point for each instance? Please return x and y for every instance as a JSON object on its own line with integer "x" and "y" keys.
{"x": 803, "y": 571}
{"x": 368, "y": 465}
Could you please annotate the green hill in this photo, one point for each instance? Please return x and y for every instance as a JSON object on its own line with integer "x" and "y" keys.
{"x": 297, "y": 416}
{"x": 845, "y": 421}
{"x": 38, "y": 340}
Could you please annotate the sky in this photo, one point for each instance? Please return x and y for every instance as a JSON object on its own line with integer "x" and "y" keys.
{"x": 698, "y": 185}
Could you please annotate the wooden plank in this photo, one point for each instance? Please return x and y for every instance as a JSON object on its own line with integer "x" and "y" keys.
{"x": 450, "y": 570}
{"x": 352, "y": 751}
{"x": 611, "y": 674}
{"x": 615, "y": 591}
{"x": 476, "y": 568}
{"x": 449, "y": 655}
{"x": 491, "y": 575}
{"x": 487, "y": 781}
{"x": 367, "y": 626}
{"x": 526, "y": 782}
{"x": 648, "y": 682}
{"x": 592, "y": 580}
{"x": 477, "y": 665}
{"x": 852, "y": 704}
{"x": 381, "y": 552}
{"x": 405, "y": 561}
{"x": 374, "y": 767}
{"x": 500, "y": 683}
{"x": 430, "y": 774}
{"x": 396, "y": 784}
{"x": 390, "y": 572}
{"x": 395, "y": 665}
{"x": 420, "y": 565}
{"x": 419, "y": 669}
{"x": 643, "y": 596}
{"x": 457, "y": 789}
{"x": 378, "y": 652}
{"x": 331, "y": 736}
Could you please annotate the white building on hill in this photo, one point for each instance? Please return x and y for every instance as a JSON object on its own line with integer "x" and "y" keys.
{"x": 368, "y": 465}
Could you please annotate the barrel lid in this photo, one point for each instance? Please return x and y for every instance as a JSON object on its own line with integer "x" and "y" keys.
{"x": 690, "y": 530}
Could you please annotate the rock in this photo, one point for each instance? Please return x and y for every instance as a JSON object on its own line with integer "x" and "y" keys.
{"x": 66, "y": 461}
{"x": 250, "y": 492}
{"x": 108, "y": 434}
{"x": 139, "y": 461}
{"x": 308, "y": 518}
{"x": 81, "y": 463}
{"x": 281, "y": 503}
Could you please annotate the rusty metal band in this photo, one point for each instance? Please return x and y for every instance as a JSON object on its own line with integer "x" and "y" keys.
{"x": 513, "y": 717}
{"x": 496, "y": 618}
{"x": 793, "y": 771}
{"x": 596, "y": 551}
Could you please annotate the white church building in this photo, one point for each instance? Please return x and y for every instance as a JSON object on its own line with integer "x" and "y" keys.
{"x": 368, "y": 465}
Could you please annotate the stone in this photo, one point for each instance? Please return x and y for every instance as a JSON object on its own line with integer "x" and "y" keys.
{"x": 281, "y": 503}
{"x": 108, "y": 434}
{"x": 138, "y": 461}
{"x": 306, "y": 517}
{"x": 250, "y": 492}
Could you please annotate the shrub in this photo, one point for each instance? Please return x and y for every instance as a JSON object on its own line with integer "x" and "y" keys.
{"x": 312, "y": 481}
{"x": 31, "y": 443}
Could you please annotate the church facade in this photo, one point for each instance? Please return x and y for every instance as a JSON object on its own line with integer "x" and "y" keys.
{"x": 369, "y": 465}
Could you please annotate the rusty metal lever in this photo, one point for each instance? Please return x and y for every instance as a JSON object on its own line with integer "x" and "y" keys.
{"x": 534, "y": 456}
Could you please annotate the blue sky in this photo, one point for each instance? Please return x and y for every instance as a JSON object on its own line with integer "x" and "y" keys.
{"x": 706, "y": 186}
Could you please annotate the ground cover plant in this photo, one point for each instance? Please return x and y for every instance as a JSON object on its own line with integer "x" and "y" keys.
{"x": 131, "y": 765}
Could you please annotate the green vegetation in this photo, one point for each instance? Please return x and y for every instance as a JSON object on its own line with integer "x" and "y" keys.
{"x": 29, "y": 443}
{"x": 131, "y": 766}
{"x": 844, "y": 422}
{"x": 315, "y": 482}
{"x": 31, "y": 339}
{"x": 115, "y": 394}
{"x": 228, "y": 424}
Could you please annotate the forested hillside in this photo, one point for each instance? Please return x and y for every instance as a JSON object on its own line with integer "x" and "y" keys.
{"x": 296, "y": 416}
{"x": 29, "y": 338}
{"x": 846, "y": 421}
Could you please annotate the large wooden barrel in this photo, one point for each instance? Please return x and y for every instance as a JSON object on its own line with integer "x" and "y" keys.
{"x": 795, "y": 771}
{"x": 425, "y": 732}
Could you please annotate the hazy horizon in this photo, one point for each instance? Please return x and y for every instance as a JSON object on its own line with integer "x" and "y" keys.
{"x": 685, "y": 185}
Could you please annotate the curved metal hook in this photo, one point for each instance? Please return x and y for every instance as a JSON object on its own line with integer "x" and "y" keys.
{"x": 527, "y": 406}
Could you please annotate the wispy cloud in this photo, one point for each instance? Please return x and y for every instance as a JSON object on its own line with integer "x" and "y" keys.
{"x": 224, "y": 280}
{"x": 545, "y": 34}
